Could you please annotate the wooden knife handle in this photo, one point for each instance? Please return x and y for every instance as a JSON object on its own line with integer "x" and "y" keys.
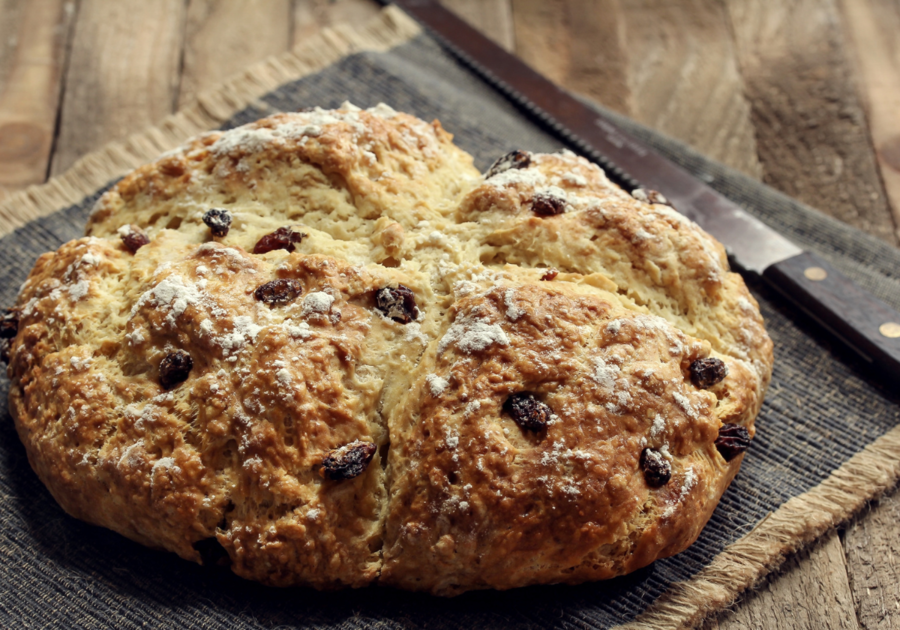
{"x": 867, "y": 324}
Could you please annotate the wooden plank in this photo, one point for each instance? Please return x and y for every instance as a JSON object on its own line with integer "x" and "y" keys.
{"x": 873, "y": 26}
{"x": 492, "y": 17}
{"x": 872, "y": 546}
{"x": 312, "y": 15}
{"x": 684, "y": 78}
{"x": 33, "y": 38}
{"x": 811, "y": 593}
{"x": 810, "y": 126}
{"x": 650, "y": 59}
{"x": 11, "y": 12}
{"x": 223, "y": 37}
{"x": 123, "y": 73}
{"x": 577, "y": 43}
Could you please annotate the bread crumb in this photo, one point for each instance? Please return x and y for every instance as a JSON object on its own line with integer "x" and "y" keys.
{"x": 89, "y": 259}
{"x": 685, "y": 404}
{"x": 525, "y": 176}
{"x": 165, "y": 463}
{"x": 78, "y": 290}
{"x": 284, "y": 377}
{"x": 659, "y": 425}
{"x": 473, "y": 335}
{"x": 605, "y": 374}
{"x": 317, "y": 303}
{"x": 513, "y": 312}
{"x": 436, "y": 384}
{"x": 622, "y": 401}
{"x": 253, "y": 464}
{"x": 574, "y": 179}
{"x": 382, "y": 110}
{"x": 80, "y": 363}
{"x": 244, "y": 331}
{"x": 413, "y": 332}
{"x": 171, "y": 291}
{"x": 690, "y": 479}
{"x": 135, "y": 338}
{"x": 127, "y": 457}
{"x": 298, "y": 331}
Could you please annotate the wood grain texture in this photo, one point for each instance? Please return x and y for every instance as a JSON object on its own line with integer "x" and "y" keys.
{"x": 123, "y": 73}
{"x": 811, "y": 129}
{"x": 810, "y": 593}
{"x": 10, "y": 20}
{"x": 491, "y": 17}
{"x": 684, "y": 79}
{"x": 654, "y": 60}
{"x": 577, "y": 43}
{"x": 311, "y": 15}
{"x": 223, "y": 37}
{"x": 651, "y": 59}
{"x": 872, "y": 547}
{"x": 33, "y": 38}
{"x": 873, "y": 26}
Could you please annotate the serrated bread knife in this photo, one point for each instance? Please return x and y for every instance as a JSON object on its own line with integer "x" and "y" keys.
{"x": 865, "y": 323}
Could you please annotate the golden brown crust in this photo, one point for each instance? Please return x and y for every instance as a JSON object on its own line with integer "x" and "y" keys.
{"x": 469, "y": 499}
{"x": 476, "y": 501}
{"x": 235, "y": 447}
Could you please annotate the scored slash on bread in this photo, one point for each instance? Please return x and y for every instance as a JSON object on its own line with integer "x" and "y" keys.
{"x": 323, "y": 349}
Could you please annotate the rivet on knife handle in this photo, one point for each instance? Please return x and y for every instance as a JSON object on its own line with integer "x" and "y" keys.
{"x": 860, "y": 319}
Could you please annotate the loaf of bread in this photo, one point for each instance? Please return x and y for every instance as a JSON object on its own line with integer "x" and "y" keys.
{"x": 324, "y": 350}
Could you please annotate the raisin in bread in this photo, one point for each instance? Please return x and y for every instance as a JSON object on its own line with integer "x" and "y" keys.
{"x": 324, "y": 350}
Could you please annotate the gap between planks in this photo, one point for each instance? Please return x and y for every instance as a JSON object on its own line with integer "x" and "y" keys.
{"x": 171, "y": 51}
{"x": 34, "y": 38}
{"x": 620, "y": 83}
{"x": 811, "y": 129}
{"x": 872, "y": 26}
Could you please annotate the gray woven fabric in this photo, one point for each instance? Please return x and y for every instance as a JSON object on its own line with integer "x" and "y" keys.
{"x": 821, "y": 409}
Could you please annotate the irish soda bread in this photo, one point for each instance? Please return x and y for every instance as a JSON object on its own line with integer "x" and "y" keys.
{"x": 324, "y": 350}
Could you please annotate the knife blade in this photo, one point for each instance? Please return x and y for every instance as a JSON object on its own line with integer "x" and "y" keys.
{"x": 866, "y": 324}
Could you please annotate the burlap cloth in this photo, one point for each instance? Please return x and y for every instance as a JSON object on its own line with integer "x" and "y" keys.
{"x": 826, "y": 441}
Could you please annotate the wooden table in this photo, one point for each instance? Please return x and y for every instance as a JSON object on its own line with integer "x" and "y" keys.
{"x": 801, "y": 94}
